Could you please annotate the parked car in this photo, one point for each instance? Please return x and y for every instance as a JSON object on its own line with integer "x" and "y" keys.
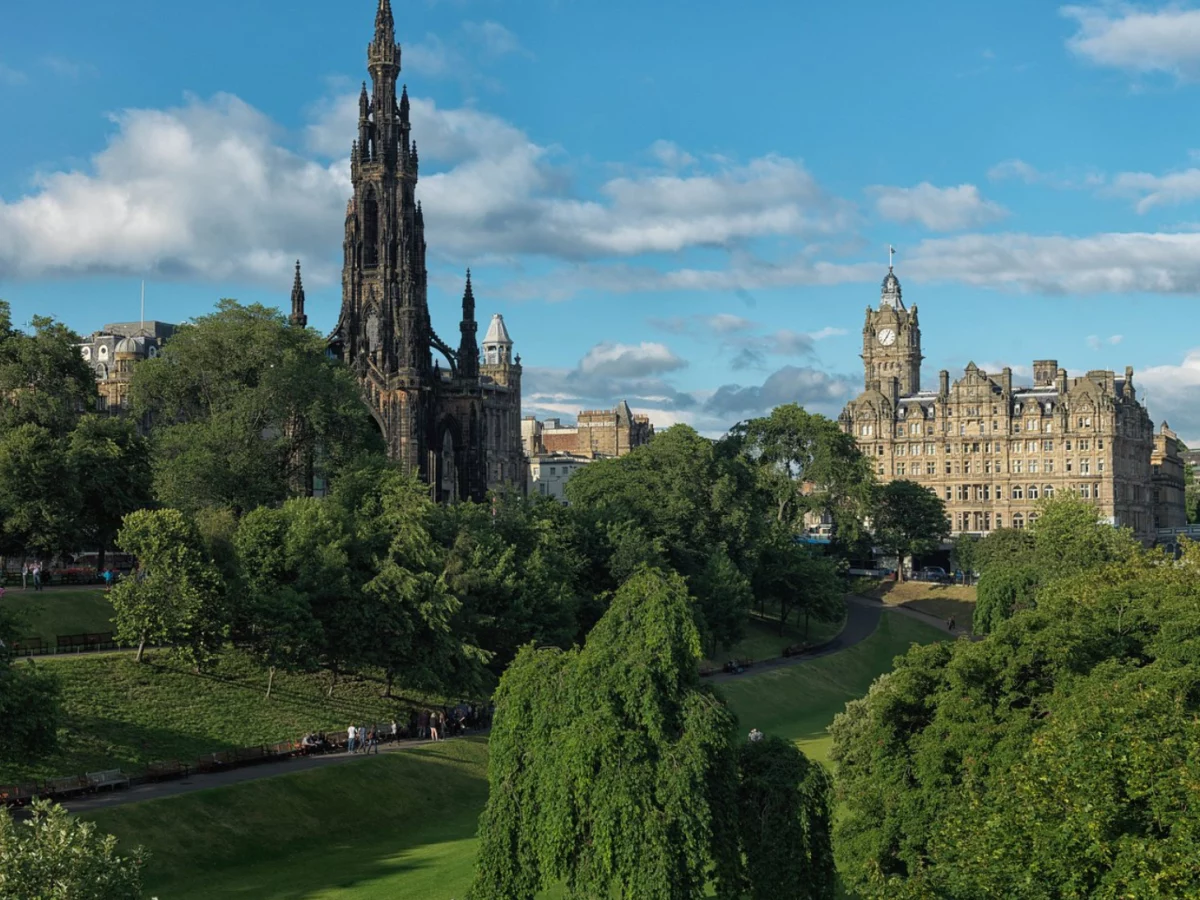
{"x": 932, "y": 573}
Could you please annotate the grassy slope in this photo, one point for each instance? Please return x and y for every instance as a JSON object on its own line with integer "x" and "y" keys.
{"x": 119, "y": 713}
{"x": 49, "y": 613}
{"x": 799, "y": 702}
{"x": 941, "y": 600}
{"x": 401, "y": 826}
{"x": 763, "y": 640}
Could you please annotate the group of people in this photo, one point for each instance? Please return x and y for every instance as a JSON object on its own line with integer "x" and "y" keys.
{"x": 425, "y": 725}
{"x": 31, "y": 573}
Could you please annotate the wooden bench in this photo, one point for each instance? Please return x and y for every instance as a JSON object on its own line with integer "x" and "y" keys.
{"x": 30, "y": 646}
{"x": 67, "y": 786}
{"x": 109, "y": 778}
{"x": 17, "y": 794}
{"x": 284, "y": 749}
{"x": 164, "y": 769}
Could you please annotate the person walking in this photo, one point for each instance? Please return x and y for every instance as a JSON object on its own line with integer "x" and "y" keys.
{"x": 25, "y": 576}
{"x": 350, "y": 736}
{"x": 434, "y": 722}
{"x": 37, "y": 577}
{"x": 395, "y": 731}
{"x": 108, "y": 579}
{"x": 951, "y": 623}
{"x": 373, "y": 740}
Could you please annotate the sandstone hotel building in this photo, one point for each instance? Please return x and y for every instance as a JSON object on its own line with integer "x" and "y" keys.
{"x": 991, "y": 449}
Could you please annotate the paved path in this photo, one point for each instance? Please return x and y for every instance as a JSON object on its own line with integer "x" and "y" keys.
{"x": 862, "y": 618}
{"x": 194, "y": 783}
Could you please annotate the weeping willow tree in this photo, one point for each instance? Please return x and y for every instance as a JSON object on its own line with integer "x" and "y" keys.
{"x": 612, "y": 770}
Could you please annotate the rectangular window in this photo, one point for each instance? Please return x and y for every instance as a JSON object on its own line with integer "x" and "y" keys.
{"x": 1069, "y": 465}
{"x": 1085, "y": 491}
{"x": 966, "y": 467}
{"x": 1016, "y": 467}
{"x": 1048, "y": 466}
{"x": 1033, "y": 467}
{"x": 900, "y": 469}
{"x": 929, "y": 451}
{"x": 947, "y": 467}
{"x": 901, "y": 449}
{"x": 1048, "y": 446}
{"x": 931, "y": 468}
{"x": 552, "y": 470}
{"x": 1068, "y": 446}
{"x": 1100, "y": 466}
{"x": 1085, "y": 467}
{"x": 987, "y": 492}
{"x": 958, "y": 492}
{"x": 947, "y": 493}
{"x": 1099, "y": 443}
{"x": 1016, "y": 427}
{"x": 1096, "y": 493}
{"x": 1085, "y": 445}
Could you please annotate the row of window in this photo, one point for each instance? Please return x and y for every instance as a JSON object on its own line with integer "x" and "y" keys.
{"x": 930, "y": 448}
{"x": 965, "y": 493}
{"x": 996, "y": 467}
{"x": 978, "y": 521}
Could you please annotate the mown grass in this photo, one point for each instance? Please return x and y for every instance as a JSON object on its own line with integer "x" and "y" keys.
{"x": 799, "y": 702}
{"x": 397, "y": 826}
{"x": 118, "y": 713}
{"x": 401, "y": 826}
{"x": 54, "y": 611}
{"x": 939, "y": 600}
{"x": 763, "y": 639}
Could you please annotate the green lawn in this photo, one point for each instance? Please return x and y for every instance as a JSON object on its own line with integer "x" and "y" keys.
{"x": 54, "y": 611}
{"x": 799, "y": 702}
{"x": 117, "y": 713}
{"x": 402, "y": 826}
{"x": 764, "y": 641}
{"x": 396, "y": 826}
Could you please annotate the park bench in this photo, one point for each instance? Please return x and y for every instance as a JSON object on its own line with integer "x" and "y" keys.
{"x": 165, "y": 769}
{"x": 284, "y": 749}
{"x": 250, "y": 755}
{"x": 17, "y": 794}
{"x": 67, "y": 786}
{"x": 109, "y": 778}
{"x": 30, "y": 646}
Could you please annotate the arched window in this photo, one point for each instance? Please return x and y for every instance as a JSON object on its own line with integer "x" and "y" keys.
{"x": 1033, "y": 492}
{"x": 1018, "y": 493}
{"x": 1048, "y": 492}
{"x": 102, "y": 352}
{"x": 370, "y": 229}
{"x": 1018, "y": 521}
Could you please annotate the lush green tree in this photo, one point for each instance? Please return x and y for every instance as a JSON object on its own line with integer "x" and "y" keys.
{"x": 797, "y": 579}
{"x": 809, "y": 465}
{"x": 1069, "y": 537}
{"x": 611, "y": 769}
{"x": 1191, "y": 493}
{"x": 177, "y": 595}
{"x": 725, "y": 594}
{"x": 43, "y": 379}
{"x": 517, "y": 578}
{"x": 1004, "y": 547}
{"x": 964, "y": 555}
{"x": 679, "y": 499}
{"x": 908, "y": 518}
{"x": 53, "y": 856}
{"x": 28, "y": 702}
{"x": 242, "y": 405}
{"x": 1050, "y": 760}
{"x": 784, "y": 817}
{"x": 110, "y": 463}
{"x": 39, "y": 498}
{"x": 1003, "y": 590}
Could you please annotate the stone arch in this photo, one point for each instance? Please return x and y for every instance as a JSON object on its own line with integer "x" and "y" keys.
{"x": 449, "y": 474}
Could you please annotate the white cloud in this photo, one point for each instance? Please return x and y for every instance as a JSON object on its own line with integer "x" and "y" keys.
{"x": 938, "y": 209}
{"x": 630, "y": 360}
{"x": 1015, "y": 169}
{"x": 1097, "y": 343}
{"x": 1158, "y": 190}
{"x": 200, "y": 191}
{"x": 813, "y": 389}
{"x": 1136, "y": 39}
{"x": 671, "y": 154}
{"x": 827, "y": 332}
{"x": 1071, "y": 179}
{"x": 1172, "y": 393}
{"x": 494, "y": 38}
{"x": 1165, "y": 263}
{"x": 727, "y": 323}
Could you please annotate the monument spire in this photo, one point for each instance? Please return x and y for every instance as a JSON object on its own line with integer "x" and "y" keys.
{"x": 298, "y": 317}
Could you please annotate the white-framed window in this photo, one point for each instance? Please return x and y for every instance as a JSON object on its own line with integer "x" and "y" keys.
{"x": 947, "y": 492}
{"x": 1048, "y": 492}
{"x": 1018, "y": 492}
{"x": 1018, "y": 521}
{"x": 1033, "y": 467}
{"x": 102, "y": 351}
{"x": 1085, "y": 467}
{"x": 1096, "y": 492}
{"x": 1016, "y": 466}
{"x": 1032, "y": 493}
{"x": 1085, "y": 491}
{"x": 900, "y": 468}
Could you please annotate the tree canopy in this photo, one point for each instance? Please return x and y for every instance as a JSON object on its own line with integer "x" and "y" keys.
{"x": 243, "y": 405}
{"x": 908, "y": 518}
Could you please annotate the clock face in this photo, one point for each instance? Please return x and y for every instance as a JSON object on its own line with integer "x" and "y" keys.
{"x": 887, "y": 336}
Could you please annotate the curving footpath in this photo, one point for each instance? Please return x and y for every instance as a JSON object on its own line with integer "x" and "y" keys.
{"x": 862, "y": 618}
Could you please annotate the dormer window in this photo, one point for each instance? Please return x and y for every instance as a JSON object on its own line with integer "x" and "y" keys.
{"x": 102, "y": 353}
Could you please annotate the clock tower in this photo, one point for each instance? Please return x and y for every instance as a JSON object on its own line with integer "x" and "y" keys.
{"x": 892, "y": 341}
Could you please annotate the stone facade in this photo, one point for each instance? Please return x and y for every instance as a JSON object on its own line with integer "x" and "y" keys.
{"x": 441, "y": 424}
{"x": 556, "y": 451}
{"x": 112, "y": 353}
{"x": 597, "y": 433}
{"x": 1166, "y": 475}
{"x": 991, "y": 449}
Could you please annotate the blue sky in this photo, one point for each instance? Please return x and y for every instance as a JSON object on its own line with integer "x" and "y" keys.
{"x": 679, "y": 203}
